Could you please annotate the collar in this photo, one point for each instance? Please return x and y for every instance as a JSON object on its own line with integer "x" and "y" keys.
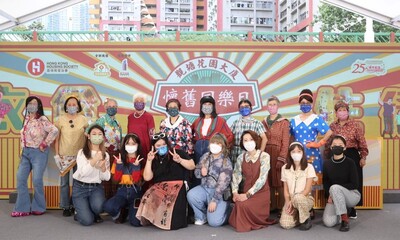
{"x": 307, "y": 122}
{"x": 254, "y": 158}
{"x": 176, "y": 124}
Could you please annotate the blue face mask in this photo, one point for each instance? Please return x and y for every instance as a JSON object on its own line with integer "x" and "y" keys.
{"x": 162, "y": 150}
{"x": 111, "y": 111}
{"x": 305, "y": 108}
{"x": 245, "y": 111}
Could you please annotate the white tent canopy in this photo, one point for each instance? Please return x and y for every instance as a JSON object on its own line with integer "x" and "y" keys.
{"x": 15, "y": 12}
{"x": 384, "y": 11}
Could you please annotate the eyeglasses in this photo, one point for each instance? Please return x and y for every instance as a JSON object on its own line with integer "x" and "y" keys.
{"x": 71, "y": 123}
{"x": 158, "y": 136}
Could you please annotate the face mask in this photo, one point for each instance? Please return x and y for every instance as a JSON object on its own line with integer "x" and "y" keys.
{"x": 72, "y": 109}
{"x": 305, "y": 108}
{"x": 131, "y": 148}
{"x": 215, "y": 148}
{"x": 296, "y": 156}
{"x": 249, "y": 146}
{"x": 139, "y": 106}
{"x": 245, "y": 111}
{"x": 162, "y": 150}
{"x": 207, "y": 109}
{"x": 342, "y": 115}
{"x": 272, "y": 109}
{"x": 173, "y": 112}
{"x": 32, "y": 108}
{"x": 96, "y": 139}
{"x": 337, "y": 150}
{"x": 111, "y": 111}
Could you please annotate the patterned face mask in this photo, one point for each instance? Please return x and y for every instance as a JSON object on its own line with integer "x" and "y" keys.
{"x": 173, "y": 112}
{"x": 139, "y": 106}
{"x": 72, "y": 109}
{"x": 32, "y": 108}
{"x": 111, "y": 111}
{"x": 207, "y": 109}
{"x": 96, "y": 139}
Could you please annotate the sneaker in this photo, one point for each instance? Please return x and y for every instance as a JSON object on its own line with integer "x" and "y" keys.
{"x": 66, "y": 166}
{"x": 67, "y": 212}
{"x": 37, "y": 213}
{"x": 20, "y": 214}
{"x": 344, "y": 226}
{"x": 98, "y": 219}
{"x": 352, "y": 213}
{"x": 200, "y": 222}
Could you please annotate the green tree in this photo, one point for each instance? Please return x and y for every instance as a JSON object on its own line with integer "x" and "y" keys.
{"x": 35, "y": 26}
{"x": 334, "y": 19}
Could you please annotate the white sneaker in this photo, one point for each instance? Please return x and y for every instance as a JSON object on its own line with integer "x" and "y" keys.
{"x": 200, "y": 222}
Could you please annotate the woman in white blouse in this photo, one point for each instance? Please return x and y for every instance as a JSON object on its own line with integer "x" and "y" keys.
{"x": 93, "y": 167}
{"x": 297, "y": 178}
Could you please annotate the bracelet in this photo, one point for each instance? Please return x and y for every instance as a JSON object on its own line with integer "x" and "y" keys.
{"x": 248, "y": 195}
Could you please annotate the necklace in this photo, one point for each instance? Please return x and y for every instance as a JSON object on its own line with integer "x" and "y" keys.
{"x": 338, "y": 161}
{"x": 134, "y": 114}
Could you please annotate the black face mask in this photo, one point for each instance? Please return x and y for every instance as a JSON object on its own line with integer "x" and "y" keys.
{"x": 337, "y": 150}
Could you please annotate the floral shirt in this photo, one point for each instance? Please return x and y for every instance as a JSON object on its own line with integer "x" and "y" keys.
{"x": 113, "y": 131}
{"x": 219, "y": 174}
{"x": 179, "y": 134}
{"x": 38, "y": 132}
{"x": 237, "y": 172}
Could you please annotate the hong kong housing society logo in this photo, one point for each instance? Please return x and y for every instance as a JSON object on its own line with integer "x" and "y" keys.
{"x": 203, "y": 76}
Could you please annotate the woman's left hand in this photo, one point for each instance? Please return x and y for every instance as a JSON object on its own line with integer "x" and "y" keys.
{"x": 212, "y": 206}
{"x": 175, "y": 156}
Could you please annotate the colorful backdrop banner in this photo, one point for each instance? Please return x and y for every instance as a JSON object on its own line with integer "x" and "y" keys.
{"x": 364, "y": 75}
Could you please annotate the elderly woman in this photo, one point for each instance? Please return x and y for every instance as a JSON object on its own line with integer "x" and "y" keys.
{"x": 164, "y": 204}
{"x": 141, "y": 123}
{"x": 177, "y": 128}
{"x": 277, "y": 131}
{"x": 251, "y": 209}
{"x": 113, "y": 137}
{"x": 37, "y": 134}
{"x": 356, "y": 147}
{"x": 340, "y": 185}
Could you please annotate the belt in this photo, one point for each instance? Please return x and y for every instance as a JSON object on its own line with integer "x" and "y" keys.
{"x": 87, "y": 184}
{"x": 126, "y": 185}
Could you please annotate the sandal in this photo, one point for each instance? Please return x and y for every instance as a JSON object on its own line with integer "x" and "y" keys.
{"x": 20, "y": 214}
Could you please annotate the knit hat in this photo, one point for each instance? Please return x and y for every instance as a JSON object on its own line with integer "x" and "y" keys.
{"x": 207, "y": 98}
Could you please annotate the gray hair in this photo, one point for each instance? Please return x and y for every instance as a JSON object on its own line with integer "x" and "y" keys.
{"x": 140, "y": 95}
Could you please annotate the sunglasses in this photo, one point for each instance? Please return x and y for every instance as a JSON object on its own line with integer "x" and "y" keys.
{"x": 71, "y": 123}
{"x": 158, "y": 136}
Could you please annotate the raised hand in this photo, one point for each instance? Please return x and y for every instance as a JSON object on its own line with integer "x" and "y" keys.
{"x": 151, "y": 154}
{"x": 118, "y": 159}
{"x": 137, "y": 161}
{"x": 175, "y": 156}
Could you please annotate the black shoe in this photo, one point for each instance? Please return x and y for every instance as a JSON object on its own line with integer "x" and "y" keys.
{"x": 352, "y": 213}
{"x": 306, "y": 225}
{"x": 67, "y": 212}
{"x": 98, "y": 219}
{"x": 344, "y": 226}
{"x": 312, "y": 213}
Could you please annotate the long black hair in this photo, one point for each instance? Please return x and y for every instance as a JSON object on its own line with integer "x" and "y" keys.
{"x": 39, "y": 112}
{"x": 87, "y": 150}
{"x": 290, "y": 162}
{"x": 124, "y": 153}
{"x": 211, "y": 100}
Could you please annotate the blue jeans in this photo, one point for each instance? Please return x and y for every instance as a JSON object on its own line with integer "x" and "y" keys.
{"x": 88, "y": 202}
{"x": 34, "y": 160}
{"x": 199, "y": 198}
{"x": 65, "y": 198}
{"x": 200, "y": 148}
{"x": 125, "y": 197}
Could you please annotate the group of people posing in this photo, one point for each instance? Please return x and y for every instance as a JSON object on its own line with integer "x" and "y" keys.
{"x": 206, "y": 170}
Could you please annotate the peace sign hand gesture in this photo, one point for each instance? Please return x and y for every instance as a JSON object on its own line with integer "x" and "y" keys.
{"x": 175, "y": 156}
{"x": 137, "y": 161}
{"x": 118, "y": 159}
{"x": 151, "y": 154}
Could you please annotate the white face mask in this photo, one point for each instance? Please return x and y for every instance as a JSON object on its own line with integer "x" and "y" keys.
{"x": 131, "y": 148}
{"x": 249, "y": 146}
{"x": 297, "y": 156}
{"x": 215, "y": 148}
